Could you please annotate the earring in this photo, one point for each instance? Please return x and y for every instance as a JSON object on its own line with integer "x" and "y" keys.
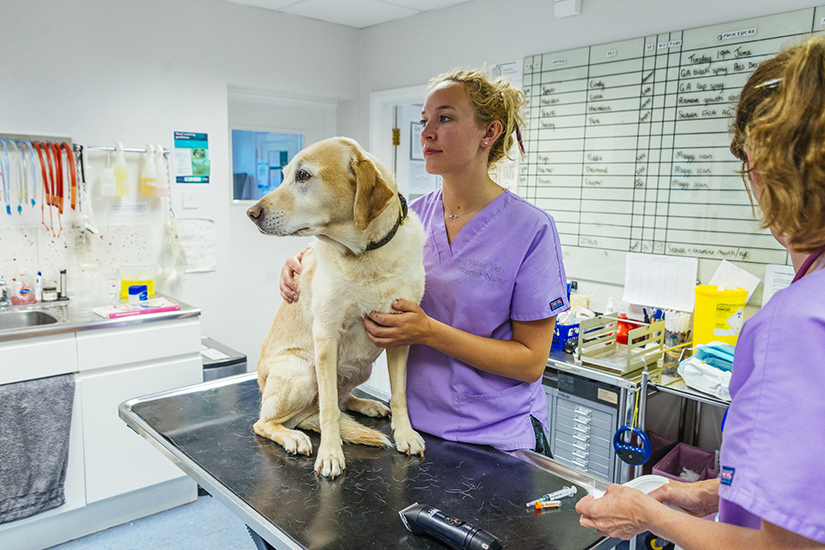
{"x": 485, "y": 143}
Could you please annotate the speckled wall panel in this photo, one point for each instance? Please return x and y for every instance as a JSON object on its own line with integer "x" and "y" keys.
{"x": 35, "y": 249}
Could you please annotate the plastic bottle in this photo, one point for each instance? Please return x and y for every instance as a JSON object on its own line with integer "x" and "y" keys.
{"x": 162, "y": 189}
{"x": 38, "y": 287}
{"x": 609, "y": 308}
{"x": 121, "y": 177}
{"x": 23, "y": 291}
{"x": 108, "y": 183}
{"x": 624, "y": 327}
{"x": 147, "y": 184}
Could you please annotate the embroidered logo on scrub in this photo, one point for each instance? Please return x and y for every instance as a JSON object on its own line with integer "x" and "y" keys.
{"x": 556, "y": 304}
{"x": 727, "y": 475}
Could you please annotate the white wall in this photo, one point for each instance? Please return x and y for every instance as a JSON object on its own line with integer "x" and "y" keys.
{"x": 101, "y": 71}
{"x": 410, "y": 51}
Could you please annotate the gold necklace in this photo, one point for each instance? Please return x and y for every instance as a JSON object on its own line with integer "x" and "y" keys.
{"x": 455, "y": 216}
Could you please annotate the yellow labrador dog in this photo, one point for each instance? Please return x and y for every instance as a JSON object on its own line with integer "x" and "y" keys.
{"x": 368, "y": 253}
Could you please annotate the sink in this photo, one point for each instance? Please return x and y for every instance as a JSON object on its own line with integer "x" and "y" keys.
{"x": 12, "y": 320}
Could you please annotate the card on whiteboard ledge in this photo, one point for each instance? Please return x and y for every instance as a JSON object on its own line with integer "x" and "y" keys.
{"x": 661, "y": 281}
{"x": 731, "y": 276}
{"x": 156, "y": 305}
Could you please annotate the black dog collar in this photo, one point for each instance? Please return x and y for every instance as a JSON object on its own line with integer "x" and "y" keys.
{"x": 402, "y": 215}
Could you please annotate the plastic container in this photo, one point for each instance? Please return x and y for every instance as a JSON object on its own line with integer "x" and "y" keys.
{"x": 563, "y": 333}
{"x": 121, "y": 176}
{"x": 162, "y": 189}
{"x": 684, "y": 456}
{"x": 623, "y": 329}
{"x": 659, "y": 447}
{"x": 23, "y": 292}
{"x": 38, "y": 287}
{"x": 147, "y": 184}
{"x": 136, "y": 275}
{"x": 49, "y": 294}
{"x": 709, "y": 473}
{"x": 718, "y": 315}
{"x": 138, "y": 293}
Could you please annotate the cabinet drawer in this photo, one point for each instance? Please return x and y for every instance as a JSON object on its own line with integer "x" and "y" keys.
{"x": 122, "y": 346}
{"x": 37, "y": 358}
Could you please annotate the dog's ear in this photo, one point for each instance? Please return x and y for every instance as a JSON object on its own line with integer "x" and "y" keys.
{"x": 372, "y": 194}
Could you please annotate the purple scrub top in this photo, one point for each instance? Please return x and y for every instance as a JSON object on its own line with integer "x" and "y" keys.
{"x": 773, "y": 451}
{"x": 506, "y": 263}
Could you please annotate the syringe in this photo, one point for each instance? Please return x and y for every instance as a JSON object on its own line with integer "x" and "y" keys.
{"x": 556, "y": 495}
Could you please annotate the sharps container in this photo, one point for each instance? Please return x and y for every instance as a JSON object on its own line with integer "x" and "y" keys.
{"x": 718, "y": 315}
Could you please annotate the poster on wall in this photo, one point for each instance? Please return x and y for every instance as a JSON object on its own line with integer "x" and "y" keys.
{"x": 197, "y": 237}
{"x": 191, "y": 157}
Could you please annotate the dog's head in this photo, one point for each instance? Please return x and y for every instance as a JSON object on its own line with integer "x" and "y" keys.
{"x": 332, "y": 188}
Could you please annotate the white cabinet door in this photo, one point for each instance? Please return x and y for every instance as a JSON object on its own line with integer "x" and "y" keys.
{"x": 117, "y": 459}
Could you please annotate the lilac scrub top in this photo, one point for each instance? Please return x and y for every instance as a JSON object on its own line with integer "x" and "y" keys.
{"x": 774, "y": 438}
{"x": 506, "y": 263}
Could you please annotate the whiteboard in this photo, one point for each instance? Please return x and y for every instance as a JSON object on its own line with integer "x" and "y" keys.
{"x": 628, "y": 146}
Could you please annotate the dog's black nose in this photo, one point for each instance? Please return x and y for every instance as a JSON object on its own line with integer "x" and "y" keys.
{"x": 255, "y": 212}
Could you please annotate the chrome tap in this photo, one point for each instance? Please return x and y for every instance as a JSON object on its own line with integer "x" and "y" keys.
{"x": 5, "y": 298}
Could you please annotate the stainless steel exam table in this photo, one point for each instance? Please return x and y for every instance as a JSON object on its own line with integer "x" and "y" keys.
{"x": 207, "y": 431}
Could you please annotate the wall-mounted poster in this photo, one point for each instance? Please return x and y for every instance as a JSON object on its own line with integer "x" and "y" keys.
{"x": 191, "y": 152}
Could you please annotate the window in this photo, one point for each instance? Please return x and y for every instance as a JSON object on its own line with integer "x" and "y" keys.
{"x": 258, "y": 160}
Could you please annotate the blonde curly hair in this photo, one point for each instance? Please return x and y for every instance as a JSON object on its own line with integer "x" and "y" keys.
{"x": 780, "y": 119}
{"x": 491, "y": 100}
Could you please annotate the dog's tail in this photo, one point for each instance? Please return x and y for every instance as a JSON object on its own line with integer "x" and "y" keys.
{"x": 352, "y": 431}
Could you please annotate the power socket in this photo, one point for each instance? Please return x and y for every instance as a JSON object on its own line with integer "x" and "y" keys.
{"x": 189, "y": 200}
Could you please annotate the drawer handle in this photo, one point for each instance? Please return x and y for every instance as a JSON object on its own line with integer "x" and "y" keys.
{"x": 587, "y": 412}
{"x": 583, "y": 420}
{"x": 583, "y": 429}
{"x": 579, "y": 464}
{"x": 580, "y": 438}
{"x": 582, "y": 456}
{"x": 586, "y": 446}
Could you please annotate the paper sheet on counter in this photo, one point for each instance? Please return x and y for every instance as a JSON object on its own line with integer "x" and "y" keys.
{"x": 661, "y": 281}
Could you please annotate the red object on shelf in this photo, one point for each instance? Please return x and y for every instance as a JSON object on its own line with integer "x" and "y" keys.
{"x": 622, "y": 330}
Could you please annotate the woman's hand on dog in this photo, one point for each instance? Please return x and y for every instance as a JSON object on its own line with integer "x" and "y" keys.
{"x": 288, "y": 285}
{"x": 388, "y": 330}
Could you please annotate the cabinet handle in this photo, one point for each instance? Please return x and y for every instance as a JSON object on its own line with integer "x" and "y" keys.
{"x": 583, "y": 457}
{"x": 586, "y": 446}
{"x": 579, "y": 464}
{"x": 583, "y": 420}
{"x": 580, "y": 438}
{"x": 583, "y": 429}
{"x": 587, "y": 412}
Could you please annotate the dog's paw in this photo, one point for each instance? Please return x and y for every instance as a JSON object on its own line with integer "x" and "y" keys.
{"x": 409, "y": 442}
{"x": 330, "y": 462}
{"x": 297, "y": 443}
{"x": 293, "y": 441}
{"x": 368, "y": 407}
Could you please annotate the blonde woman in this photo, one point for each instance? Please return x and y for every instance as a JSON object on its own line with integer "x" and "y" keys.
{"x": 495, "y": 279}
{"x": 773, "y": 440}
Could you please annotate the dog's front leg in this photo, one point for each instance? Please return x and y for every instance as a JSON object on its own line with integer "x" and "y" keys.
{"x": 407, "y": 440}
{"x": 330, "y": 461}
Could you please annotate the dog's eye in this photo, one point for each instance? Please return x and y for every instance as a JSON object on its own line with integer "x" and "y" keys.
{"x": 302, "y": 175}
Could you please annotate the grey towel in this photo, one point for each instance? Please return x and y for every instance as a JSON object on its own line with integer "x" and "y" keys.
{"x": 35, "y": 420}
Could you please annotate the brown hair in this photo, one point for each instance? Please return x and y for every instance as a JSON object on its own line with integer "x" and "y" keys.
{"x": 491, "y": 100}
{"x": 780, "y": 119}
